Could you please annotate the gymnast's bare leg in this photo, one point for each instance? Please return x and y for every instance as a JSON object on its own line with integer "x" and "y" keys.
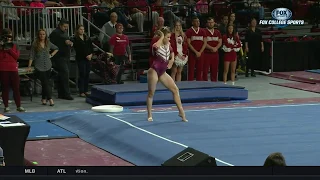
{"x": 168, "y": 82}
{"x": 152, "y": 84}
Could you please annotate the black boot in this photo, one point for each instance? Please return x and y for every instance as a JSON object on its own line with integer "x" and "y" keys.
{"x": 253, "y": 74}
{"x": 247, "y": 72}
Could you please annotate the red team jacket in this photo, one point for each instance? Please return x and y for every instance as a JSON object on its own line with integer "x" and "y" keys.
{"x": 213, "y": 39}
{"x": 173, "y": 43}
{"x": 231, "y": 45}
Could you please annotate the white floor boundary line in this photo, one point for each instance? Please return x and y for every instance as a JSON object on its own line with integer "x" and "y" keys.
{"x": 158, "y": 136}
{"x": 217, "y": 109}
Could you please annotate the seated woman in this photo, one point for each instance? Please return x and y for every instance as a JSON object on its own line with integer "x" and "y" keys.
{"x": 112, "y": 6}
{"x": 105, "y": 67}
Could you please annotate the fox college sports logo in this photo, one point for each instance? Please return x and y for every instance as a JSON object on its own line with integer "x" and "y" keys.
{"x": 281, "y": 17}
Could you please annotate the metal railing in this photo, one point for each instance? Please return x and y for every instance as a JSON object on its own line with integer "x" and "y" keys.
{"x": 26, "y": 21}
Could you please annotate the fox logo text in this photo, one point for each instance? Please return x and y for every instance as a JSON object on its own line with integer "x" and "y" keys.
{"x": 281, "y": 14}
{"x": 281, "y": 17}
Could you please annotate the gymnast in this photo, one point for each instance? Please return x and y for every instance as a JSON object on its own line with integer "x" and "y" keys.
{"x": 164, "y": 58}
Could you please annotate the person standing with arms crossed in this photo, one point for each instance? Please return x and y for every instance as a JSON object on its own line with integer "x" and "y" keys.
{"x": 119, "y": 47}
{"x": 61, "y": 60}
{"x": 211, "y": 54}
{"x": 231, "y": 45}
{"x": 197, "y": 42}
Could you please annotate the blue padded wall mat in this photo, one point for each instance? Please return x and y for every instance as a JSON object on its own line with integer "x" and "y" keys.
{"x": 46, "y": 130}
{"x": 141, "y": 87}
{"x": 314, "y": 71}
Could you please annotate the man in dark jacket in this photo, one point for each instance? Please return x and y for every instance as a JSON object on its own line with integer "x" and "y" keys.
{"x": 61, "y": 60}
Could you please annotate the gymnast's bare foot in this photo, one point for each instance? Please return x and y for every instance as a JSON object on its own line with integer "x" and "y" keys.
{"x": 150, "y": 119}
{"x": 183, "y": 116}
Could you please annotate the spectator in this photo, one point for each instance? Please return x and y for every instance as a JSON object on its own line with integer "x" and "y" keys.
{"x": 37, "y": 17}
{"x": 202, "y": 7}
{"x": 21, "y": 3}
{"x": 52, "y": 3}
{"x": 60, "y": 38}
{"x": 9, "y": 76}
{"x": 90, "y": 4}
{"x": 84, "y": 49}
{"x": 140, "y": 10}
{"x": 40, "y": 54}
{"x": 23, "y": 13}
{"x": 112, "y": 6}
{"x": 37, "y": 4}
{"x": 108, "y": 69}
{"x": 165, "y": 12}
{"x": 223, "y": 25}
{"x": 120, "y": 50}
{"x": 232, "y": 21}
{"x": 256, "y": 7}
{"x": 2, "y": 163}
{"x": 175, "y": 4}
{"x": 179, "y": 46}
{"x": 158, "y": 26}
{"x": 275, "y": 159}
{"x": 108, "y": 29}
{"x": 190, "y": 7}
{"x": 10, "y": 14}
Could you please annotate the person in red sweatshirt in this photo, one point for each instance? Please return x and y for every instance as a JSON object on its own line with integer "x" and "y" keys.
{"x": 9, "y": 76}
{"x": 211, "y": 55}
{"x": 231, "y": 45}
{"x": 197, "y": 42}
{"x": 180, "y": 48}
{"x": 119, "y": 47}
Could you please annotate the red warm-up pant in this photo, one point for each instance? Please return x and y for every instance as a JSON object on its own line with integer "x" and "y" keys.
{"x": 211, "y": 61}
{"x": 10, "y": 79}
{"x": 194, "y": 62}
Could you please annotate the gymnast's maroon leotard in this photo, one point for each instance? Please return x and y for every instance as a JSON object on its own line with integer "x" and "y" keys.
{"x": 162, "y": 56}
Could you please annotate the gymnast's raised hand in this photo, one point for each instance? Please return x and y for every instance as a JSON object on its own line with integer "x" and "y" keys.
{"x": 164, "y": 58}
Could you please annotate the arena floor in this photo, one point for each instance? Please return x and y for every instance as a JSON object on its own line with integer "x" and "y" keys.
{"x": 275, "y": 115}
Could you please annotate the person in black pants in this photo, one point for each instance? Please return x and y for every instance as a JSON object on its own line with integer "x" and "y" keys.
{"x": 254, "y": 46}
{"x": 41, "y": 56}
{"x": 84, "y": 49}
{"x": 223, "y": 30}
{"x": 61, "y": 60}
